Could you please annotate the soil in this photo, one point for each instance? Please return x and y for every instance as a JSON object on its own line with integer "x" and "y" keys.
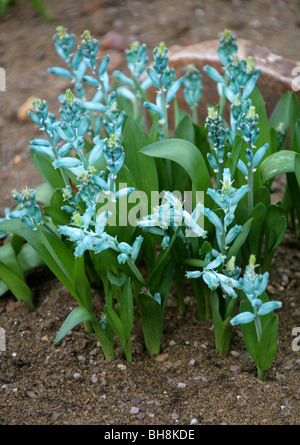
{"x": 71, "y": 383}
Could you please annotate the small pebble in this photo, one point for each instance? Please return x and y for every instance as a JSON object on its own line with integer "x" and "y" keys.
{"x": 181, "y": 385}
{"x": 17, "y": 160}
{"x": 134, "y": 410}
{"x": 234, "y": 353}
{"x": 122, "y": 367}
{"x": 94, "y": 379}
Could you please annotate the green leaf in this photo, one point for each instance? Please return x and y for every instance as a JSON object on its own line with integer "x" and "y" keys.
{"x": 185, "y": 154}
{"x": 235, "y": 156}
{"x": 297, "y": 167}
{"x": 249, "y": 330}
{"x": 126, "y": 309}
{"x": 16, "y": 285}
{"x": 142, "y": 168}
{"x": 9, "y": 259}
{"x": 154, "y": 129}
{"x": 152, "y": 316}
{"x": 276, "y": 233}
{"x": 157, "y": 271}
{"x": 166, "y": 282}
{"x": 40, "y": 6}
{"x": 43, "y": 193}
{"x": 281, "y": 162}
{"x": 50, "y": 248}
{"x": 256, "y": 234}
{"x": 185, "y": 129}
{"x": 263, "y": 121}
{"x": 47, "y": 171}
{"x": 117, "y": 281}
{"x": 28, "y": 258}
{"x": 295, "y": 140}
{"x": 78, "y": 315}
{"x": 240, "y": 239}
{"x": 267, "y": 345}
{"x": 281, "y": 112}
{"x": 81, "y": 282}
{"x": 262, "y": 195}
{"x": 117, "y": 326}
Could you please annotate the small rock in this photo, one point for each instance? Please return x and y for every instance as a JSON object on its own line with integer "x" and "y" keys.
{"x": 194, "y": 421}
{"x": 172, "y": 343}
{"x": 280, "y": 377}
{"x": 234, "y": 353}
{"x": 175, "y": 416}
{"x": 134, "y": 410}
{"x": 45, "y": 338}
{"x": 141, "y": 416}
{"x": 77, "y": 375}
{"x": 114, "y": 40}
{"x": 22, "y": 113}
{"x": 94, "y": 379}
{"x": 94, "y": 351}
{"x": 55, "y": 416}
{"x": 192, "y": 362}
{"x": 234, "y": 368}
{"x": 181, "y": 385}
{"x": 17, "y": 160}
{"x": 122, "y": 367}
{"x": 161, "y": 357}
{"x": 32, "y": 395}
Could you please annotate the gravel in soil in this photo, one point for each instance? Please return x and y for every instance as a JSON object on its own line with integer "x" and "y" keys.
{"x": 73, "y": 384}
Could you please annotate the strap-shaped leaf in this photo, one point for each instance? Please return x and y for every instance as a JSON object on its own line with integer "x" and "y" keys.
{"x": 47, "y": 171}
{"x": 50, "y": 248}
{"x": 142, "y": 168}
{"x": 78, "y": 315}
{"x": 16, "y": 284}
{"x": 117, "y": 326}
{"x": 152, "y": 322}
{"x": 126, "y": 309}
{"x": 185, "y": 154}
{"x": 281, "y": 162}
{"x": 240, "y": 239}
{"x": 267, "y": 345}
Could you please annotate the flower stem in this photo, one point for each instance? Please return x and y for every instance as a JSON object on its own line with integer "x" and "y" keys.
{"x": 195, "y": 114}
{"x": 250, "y": 183}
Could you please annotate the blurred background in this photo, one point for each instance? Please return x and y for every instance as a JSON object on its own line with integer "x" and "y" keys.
{"x": 26, "y": 51}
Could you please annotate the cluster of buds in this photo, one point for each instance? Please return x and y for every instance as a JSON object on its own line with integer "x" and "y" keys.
{"x": 192, "y": 82}
{"x": 137, "y": 58}
{"x": 216, "y": 135}
{"x": 30, "y": 213}
{"x": 89, "y": 48}
{"x": 64, "y": 43}
{"x": 248, "y": 125}
{"x": 227, "y": 46}
{"x": 254, "y": 285}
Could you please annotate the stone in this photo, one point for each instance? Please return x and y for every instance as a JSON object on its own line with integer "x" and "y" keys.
{"x": 114, "y": 40}
{"x": 22, "y": 113}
